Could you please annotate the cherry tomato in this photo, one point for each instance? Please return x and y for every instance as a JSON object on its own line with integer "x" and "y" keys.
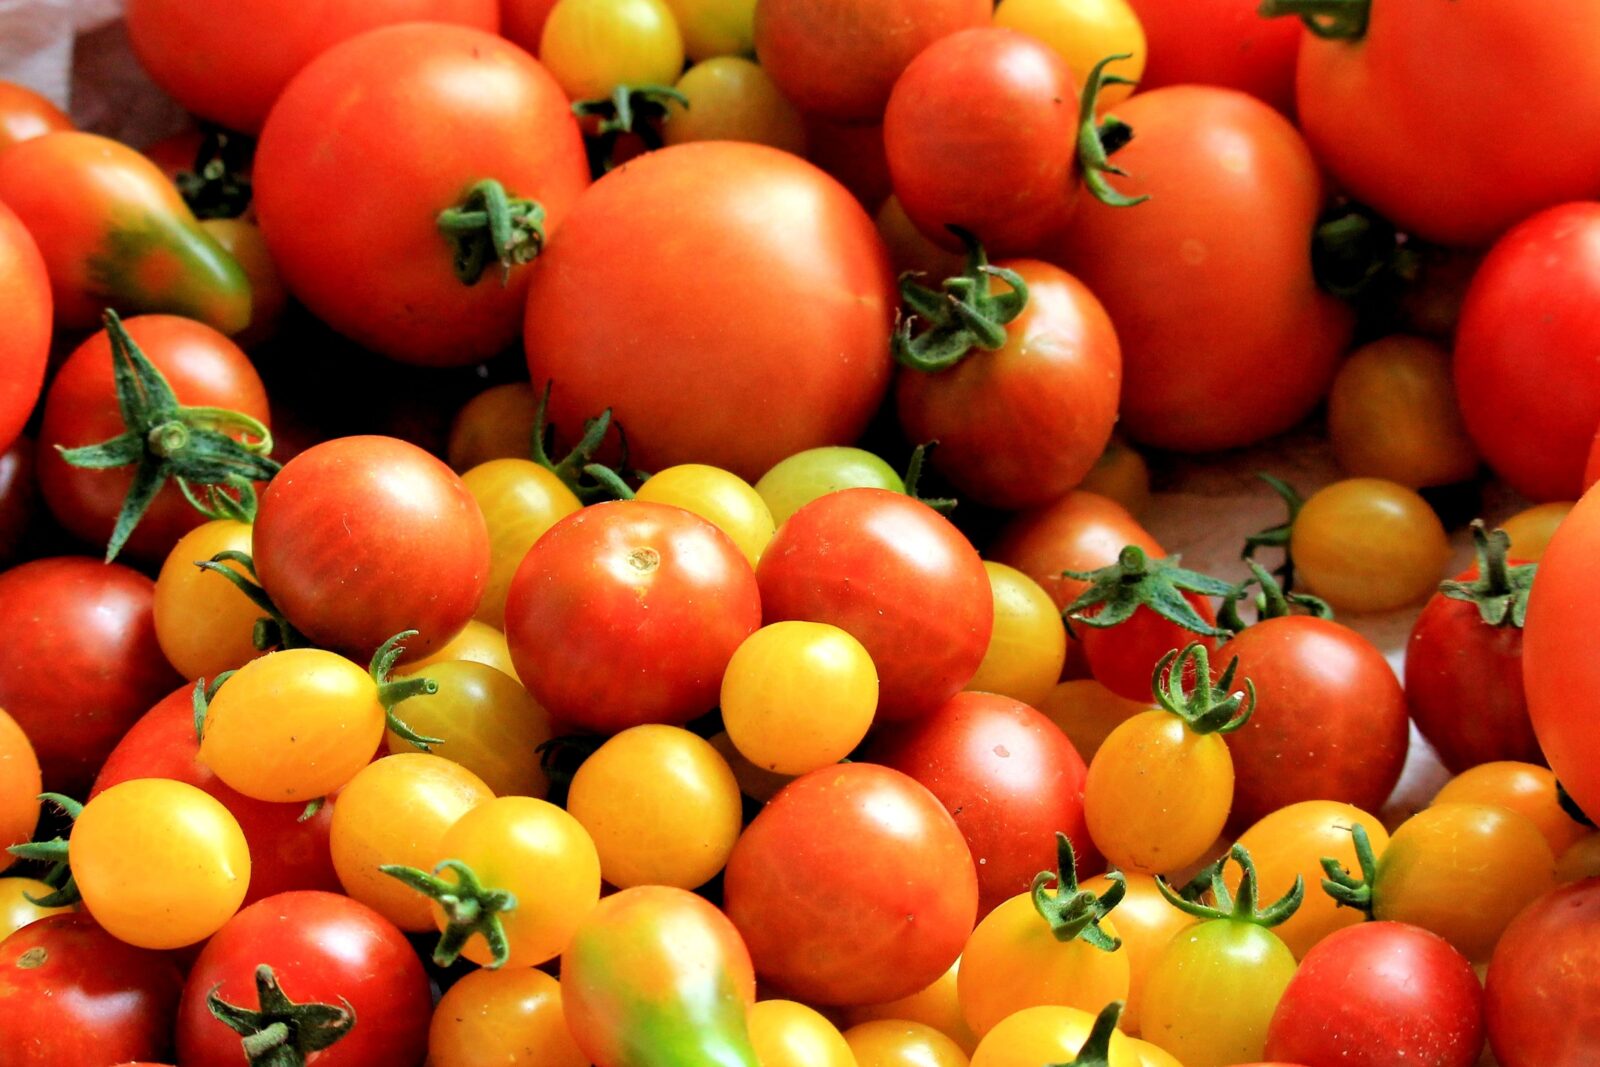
{"x": 938, "y": 1005}
{"x": 1145, "y": 923}
{"x": 1079, "y": 532}
{"x": 1540, "y": 997}
{"x": 1530, "y": 530}
{"x": 733, "y": 99}
{"x": 1122, "y": 474}
{"x": 496, "y": 424}
{"x": 25, "y": 114}
{"x": 512, "y": 1017}
{"x": 520, "y": 500}
{"x": 1046, "y": 1034}
{"x": 1028, "y": 644}
{"x": 1524, "y": 788}
{"x": 909, "y": 248}
{"x": 899, "y": 1043}
{"x": 851, "y": 153}
{"x": 475, "y": 643}
{"x": 594, "y": 46}
{"x": 787, "y": 1034}
{"x": 25, "y": 302}
{"x": 1087, "y": 712}
{"x": 241, "y": 239}
{"x": 1580, "y": 861}
{"x": 1392, "y": 414}
{"x": 205, "y": 624}
{"x": 794, "y": 482}
{"x": 1123, "y": 654}
{"x": 17, "y": 911}
{"x": 522, "y": 21}
{"x": 1220, "y": 42}
{"x": 1365, "y": 544}
{"x": 490, "y": 726}
{"x": 20, "y": 785}
{"x": 1083, "y": 32}
{"x": 725, "y": 500}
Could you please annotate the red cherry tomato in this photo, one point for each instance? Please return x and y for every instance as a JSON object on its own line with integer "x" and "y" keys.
{"x": 1219, "y": 42}
{"x": 25, "y": 307}
{"x": 1082, "y": 531}
{"x": 1542, "y": 995}
{"x": 24, "y": 114}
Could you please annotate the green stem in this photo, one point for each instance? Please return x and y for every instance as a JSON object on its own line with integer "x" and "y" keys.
{"x": 470, "y": 908}
{"x": 391, "y": 693}
{"x": 912, "y": 481}
{"x": 1500, "y": 591}
{"x": 1075, "y": 913}
{"x": 1098, "y": 138}
{"x": 1277, "y": 536}
{"x": 636, "y": 109}
{"x": 577, "y": 469}
{"x": 1340, "y": 20}
{"x": 491, "y": 226}
{"x": 1349, "y": 890}
{"x": 1136, "y": 581}
{"x": 1246, "y": 907}
{"x": 1210, "y": 707}
{"x": 961, "y": 315}
{"x": 281, "y": 1033}
{"x": 1096, "y": 1048}
{"x": 272, "y": 631}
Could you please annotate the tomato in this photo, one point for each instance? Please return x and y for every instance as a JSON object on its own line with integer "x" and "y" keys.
{"x": 725, "y": 500}
{"x": 938, "y": 1005}
{"x": 1083, "y": 32}
{"x": 1534, "y": 422}
{"x": 286, "y": 853}
{"x": 841, "y": 59}
{"x": 853, "y": 886}
{"x": 241, "y": 239}
{"x": 1528, "y": 790}
{"x": 1220, "y": 42}
{"x": 852, "y": 153}
{"x": 520, "y": 500}
{"x": 787, "y": 1034}
{"x": 25, "y": 302}
{"x": 1378, "y": 994}
{"x": 1048, "y": 1034}
{"x": 490, "y": 726}
{"x": 475, "y": 643}
{"x": 1009, "y": 778}
{"x": 1122, "y": 474}
{"x": 323, "y": 948}
{"x": 20, "y": 785}
{"x": 733, "y": 99}
{"x": 1087, "y": 712}
{"x": 114, "y": 232}
{"x": 1209, "y": 283}
{"x": 360, "y": 538}
{"x": 794, "y": 482}
{"x": 909, "y": 249}
{"x": 1079, "y": 532}
{"x": 1392, "y": 414}
{"x": 1365, "y": 544}
{"x": 1145, "y": 923}
{"x": 593, "y": 47}
{"x": 1396, "y": 100}
{"x": 1028, "y": 644}
{"x": 900, "y": 1043}
{"x": 19, "y": 498}
{"x": 798, "y": 695}
{"x": 801, "y": 359}
{"x": 17, "y": 911}
{"x": 896, "y": 576}
{"x": 75, "y": 994}
{"x": 400, "y": 149}
{"x": 25, "y": 114}
{"x": 522, "y": 21}
{"x": 204, "y": 623}
{"x": 511, "y": 1016}
{"x": 1024, "y": 423}
{"x": 80, "y": 661}
{"x": 497, "y": 423}
{"x": 1540, "y": 996}
{"x": 1580, "y": 861}
{"x": 1531, "y": 529}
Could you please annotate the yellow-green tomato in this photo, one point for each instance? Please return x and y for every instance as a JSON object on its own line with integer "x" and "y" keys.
{"x": 520, "y": 500}
{"x": 204, "y": 623}
{"x": 1392, "y": 413}
{"x": 1035, "y": 1037}
{"x": 732, "y": 99}
{"x": 1145, "y": 921}
{"x": 795, "y": 482}
{"x": 1365, "y": 544}
{"x": 1212, "y": 992}
{"x": 798, "y": 695}
{"x": 661, "y": 805}
{"x": 509, "y": 1018}
{"x": 1028, "y": 644}
{"x": 490, "y": 724}
{"x": 716, "y": 28}
{"x": 901, "y": 1043}
{"x": 160, "y": 863}
{"x": 594, "y": 46}
{"x": 722, "y": 498}
{"x": 1083, "y": 32}
{"x": 787, "y": 1034}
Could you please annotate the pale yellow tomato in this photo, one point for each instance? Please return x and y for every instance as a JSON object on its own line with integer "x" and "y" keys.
{"x": 723, "y": 499}
{"x": 938, "y": 1006}
{"x": 1530, "y": 530}
{"x": 1028, "y": 644}
{"x": 787, "y": 1034}
{"x": 520, "y": 500}
{"x": 489, "y": 723}
{"x": 594, "y": 46}
{"x": 1145, "y": 921}
{"x": 478, "y": 642}
{"x": 902, "y": 1043}
{"x": 17, "y": 911}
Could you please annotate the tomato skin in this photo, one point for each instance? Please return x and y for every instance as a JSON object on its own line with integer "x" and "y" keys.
{"x": 24, "y": 114}
{"x": 1081, "y": 531}
{"x": 725, "y": 500}
{"x": 1028, "y": 644}
{"x": 19, "y": 498}
{"x": 1535, "y": 422}
{"x": 896, "y": 576}
{"x": 1009, "y": 778}
{"x": 1365, "y": 544}
{"x": 1146, "y": 923}
{"x": 511, "y": 1017}
{"x": 75, "y": 994}
{"x": 1377, "y": 994}
{"x": 204, "y": 623}
{"x": 80, "y": 663}
{"x": 853, "y": 886}
{"x": 1524, "y": 788}
{"x": 1540, "y": 996}
{"x": 1235, "y": 195}
{"x": 520, "y": 500}
{"x": 1083, "y": 32}
{"x": 938, "y": 1005}
{"x": 17, "y": 911}
{"x": 419, "y": 86}
{"x": 592, "y": 47}
{"x": 787, "y": 1034}
{"x": 1047, "y": 1034}
{"x": 492, "y": 726}
{"x": 323, "y": 947}
{"x": 1123, "y": 657}
{"x": 1220, "y": 42}
{"x": 20, "y": 785}
{"x": 733, "y": 99}
{"x": 767, "y": 382}
{"x": 495, "y": 424}
{"x": 1211, "y": 994}
{"x": 25, "y": 302}
{"x": 241, "y": 238}
{"x": 901, "y": 1043}
{"x": 796, "y": 481}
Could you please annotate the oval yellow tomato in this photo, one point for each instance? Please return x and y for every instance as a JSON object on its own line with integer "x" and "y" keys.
{"x": 1028, "y": 644}
{"x": 204, "y": 623}
{"x": 787, "y": 1034}
{"x": 490, "y": 724}
{"x": 722, "y": 498}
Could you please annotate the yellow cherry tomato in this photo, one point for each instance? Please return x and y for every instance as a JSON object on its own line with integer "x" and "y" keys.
{"x": 794, "y": 482}
{"x": 798, "y": 695}
{"x": 662, "y": 807}
{"x": 396, "y": 810}
{"x": 160, "y": 863}
{"x": 204, "y": 623}
{"x": 510, "y": 1018}
{"x": 1392, "y": 413}
{"x": 478, "y": 642}
{"x": 787, "y": 1034}
{"x": 723, "y": 499}
{"x": 754, "y": 782}
{"x": 1121, "y": 474}
{"x": 910, "y": 249}
{"x": 1525, "y": 788}
{"x": 902, "y": 1043}
{"x": 938, "y": 1006}
{"x": 716, "y": 28}
{"x": 1087, "y": 712}
{"x": 1028, "y": 644}
{"x": 495, "y": 424}
{"x": 1083, "y": 32}
{"x": 1580, "y": 861}
{"x": 1152, "y": 1055}
{"x": 1146, "y": 922}
{"x": 21, "y": 781}
{"x": 732, "y": 99}
{"x": 594, "y": 46}
{"x": 520, "y": 500}
{"x": 1530, "y": 530}
{"x": 1212, "y": 992}
{"x": 1051, "y": 1034}
{"x": 1365, "y": 544}
{"x": 17, "y": 911}
{"x": 490, "y": 724}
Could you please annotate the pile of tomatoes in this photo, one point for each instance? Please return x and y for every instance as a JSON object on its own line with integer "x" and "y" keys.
{"x": 613, "y": 532}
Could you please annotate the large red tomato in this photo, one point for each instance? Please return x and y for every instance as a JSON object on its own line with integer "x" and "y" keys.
{"x": 366, "y": 149}
{"x": 735, "y": 336}
{"x": 1543, "y": 987}
{"x": 26, "y": 309}
{"x": 1219, "y": 42}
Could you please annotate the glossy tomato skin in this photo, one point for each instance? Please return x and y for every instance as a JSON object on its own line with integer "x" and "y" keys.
{"x": 404, "y": 149}
{"x": 1220, "y": 42}
{"x": 75, "y": 994}
{"x": 204, "y": 368}
{"x": 796, "y": 354}
{"x": 24, "y": 114}
{"x": 1226, "y": 338}
{"x": 80, "y": 663}
{"x": 853, "y": 886}
{"x": 1540, "y": 995}
{"x": 1378, "y": 994}
{"x": 1329, "y": 723}
{"x": 26, "y": 305}
{"x": 1022, "y": 425}
{"x": 323, "y": 947}
{"x": 1530, "y": 400}
{"x": 360, "y": 538}
{"x": 1081, "y": 531}
{"x": 895, "y": 575}
{"x": 1007, "y": 775}
{"x": 1123, "y": 657}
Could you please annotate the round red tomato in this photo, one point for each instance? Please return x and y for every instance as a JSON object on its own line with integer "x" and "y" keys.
{"x": 24, "y": 114}
{"x": 1543, "y": 987}
{"x": 1219, "y": 42}
{"x": 895, "y": 575}
{"x": 853, "y": 886}
{"x": 343, "y": 188}
{"x": 1081, "y": 531}
{"x": 26, "y": 309}
{"x": 742, "y": 340}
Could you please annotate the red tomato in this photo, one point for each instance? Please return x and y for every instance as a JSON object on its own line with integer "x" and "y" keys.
{"x": 1219, "y": 42}
{"x": 1010, "y": 779}
{"x": 1123, "y": 657}
{"x": 1082, "y": 531}
{"x": 24, "y": 115}
{"x": 1226, "y": 338}
{"x": 895, "y": 575}
{"x": 19, "y": 498}
{"x": 1379, "y": 994}
{"x": 1543, "y": 988}
{"x": 324, "y": 948}
{"x": 1530, "y": 398}
{"x": 405, "y": 158}
{"x": 360, "y": 538}
{"x": 799, "y": 359}
{"x": 522, "y": 22}
{"x": 80, "y": 662}
{"x": 627, "y": 613}
{"x": 25, "y": 308}
{"x": 853, "y": 886}
{"x": 73, "y": 994}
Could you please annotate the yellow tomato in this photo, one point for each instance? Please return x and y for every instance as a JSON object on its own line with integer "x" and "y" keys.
{"x": 1530, "y": 530}
{"x": 787, "y": 1034}
{"x": 1087, "y": 712}
{"x": 20, "y": 785}
{"x": 714, "y": 28}
{"x": 1525, "y": 788}
{"x": 1365, "y": 544}
{"x": 495, "y": 424}
{"x": 491, "y": 725}
{"x": 204, "y": 623}
{"x": 594, "y": 46}
{"x": 520, "y": 500}
{"x": 723, "y": 499}
{"x": 1028, "y": 644}
{"x": 1146, "y": 922}
{"x": 1212, "y": 991}
{"x": 510, "y": 1018}
{"x": 478, "y": 642}
{"x": 1034, "y": 1037}
{"x": 938, "y": 1006}
{"x": 1152, "y": 1055}
{"x": 733, "y": 99}
{"x": 17, "y": 911}
{"x": 1083, "y": 32}
{"x": 901, "y": 1043}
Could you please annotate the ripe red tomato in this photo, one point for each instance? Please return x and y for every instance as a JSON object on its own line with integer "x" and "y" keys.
{"x": 80, "y": 661}
{"x": 1542, "y": 995}
{"x": 1082, "y": 531}
{"x": 404, "y": 158}
{"x": 798, "y": 358}
{"x": 895, "y": 575}
{"x": 360, "y": 538}
{"x": 25, "y": 307}
{"x": 1123, "y": 657}
{"x": 1219, "y": 42}
{"x": 853, "y": 886}
{"x": 24, "y": 114}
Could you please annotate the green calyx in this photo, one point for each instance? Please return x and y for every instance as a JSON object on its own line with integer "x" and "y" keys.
{"x": 636, "y": 109}
{"x": 1346, "y": 889}
{"x": 1500, "y": 591}
{"x": 1270, "y": 601}
{"x": 1136, "y": 581}
{"x": 1356, "y": 252}
{"x": 272, "y": 630}
{"x": 201, "y": 699}
{"x": 1074, "y": 913}
{"x": 164, "y": 440}
{"x": 54, "y": 853}
{"x": 1210, "y": 707}
{"x": 912, "y": 481}
{"x": 1245, "y": 908}
{"x": 588, "y": 480}
{"x": 491, "y": 226}
{"x": 218, "y": 185}
{"x": 1277, "y": 536}
{"x": 470, "y": 909}
{"x": 962, "y": 314}
{"x": 1098, "y": 138}
{"x": 281, "y": 1033}
{"x": 391, "y": 693}
{"x": 1339, "y": 20}
{"x": 1096, "y": 1048}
